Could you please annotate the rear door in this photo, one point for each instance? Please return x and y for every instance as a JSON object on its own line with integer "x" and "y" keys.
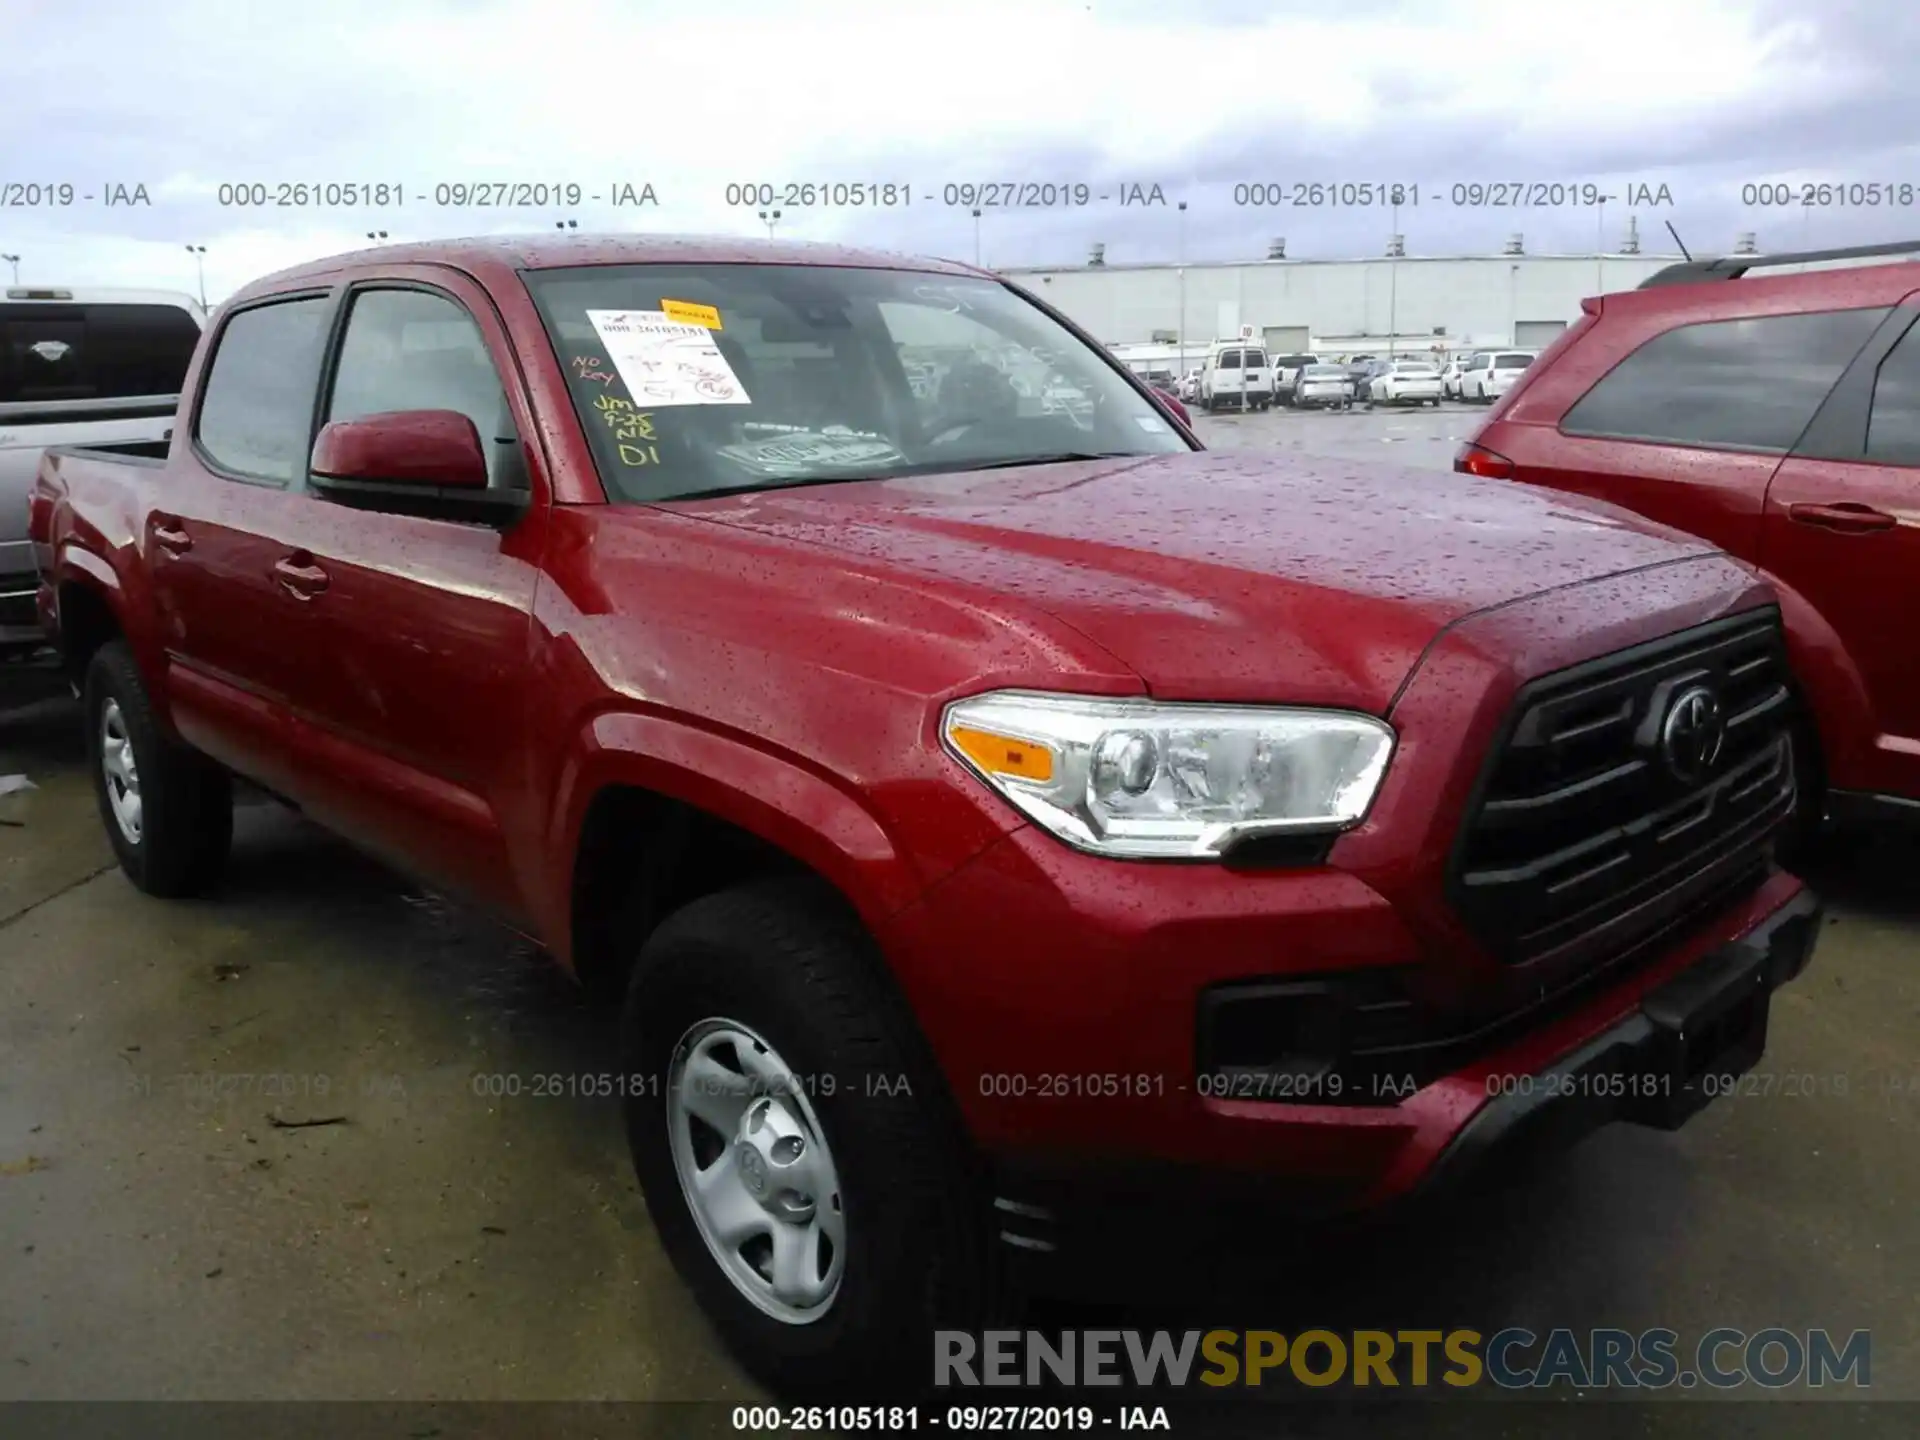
{"x": 414, "y": 697}
{"x": 211, "y": 541}
{"x": 1842, "y": 528}
{"x": 1688, "y": 428}
{"x": 1228, "y": 381}
{"x": 1258, "y": 373}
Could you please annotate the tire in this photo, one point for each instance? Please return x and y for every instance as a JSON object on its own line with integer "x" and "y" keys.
{"x": 785, "y": 962}
{"x": 179, "y": 843}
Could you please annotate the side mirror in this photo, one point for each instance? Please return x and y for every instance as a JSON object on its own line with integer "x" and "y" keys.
{"x": 427, "y": 463}
{"x": 1173, "y": 403}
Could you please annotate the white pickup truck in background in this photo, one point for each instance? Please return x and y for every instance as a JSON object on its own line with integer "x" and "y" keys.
{"x": 78, "y": 367}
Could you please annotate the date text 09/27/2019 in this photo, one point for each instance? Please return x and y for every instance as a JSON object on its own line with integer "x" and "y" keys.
{"x": 963, "y": 194}
{"x": 1459, "y": 194}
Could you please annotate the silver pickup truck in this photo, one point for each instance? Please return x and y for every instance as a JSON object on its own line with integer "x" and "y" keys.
{"x": 78, "y": 367}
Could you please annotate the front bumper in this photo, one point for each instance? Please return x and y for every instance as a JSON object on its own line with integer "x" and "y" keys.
{"x": 1659, "y": 1066}
{"x": 1060, "y": 994}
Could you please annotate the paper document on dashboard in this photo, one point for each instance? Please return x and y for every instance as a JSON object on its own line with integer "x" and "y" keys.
{"x": 666, "y": 362}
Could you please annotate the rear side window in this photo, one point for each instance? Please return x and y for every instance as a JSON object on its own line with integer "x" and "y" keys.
{"x": 1893, "y": 425}
{"x": 1229, "y": 359}
{"x": 93, "y": 352}
{"x": 256, "y": 410}
{"x": 1726, "y": 384}
{"x": 1520, "y": 362}
{"x": 1257, "y": 359}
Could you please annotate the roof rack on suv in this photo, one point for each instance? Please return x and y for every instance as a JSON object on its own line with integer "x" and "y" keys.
{"x": 1732, "y": 267}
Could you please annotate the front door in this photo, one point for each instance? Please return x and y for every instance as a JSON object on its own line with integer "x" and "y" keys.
{"x": 416, "y": 713}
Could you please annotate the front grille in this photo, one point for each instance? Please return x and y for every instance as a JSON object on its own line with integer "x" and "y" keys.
{"x": 1583, "y": 838}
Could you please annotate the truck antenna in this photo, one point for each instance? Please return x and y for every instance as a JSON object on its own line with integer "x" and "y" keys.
{"x": 1678, "y": 241}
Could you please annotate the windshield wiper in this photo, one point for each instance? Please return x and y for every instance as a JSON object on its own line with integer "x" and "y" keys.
{"x": 1058, "y": 457}
{"x": 932, "y": 467}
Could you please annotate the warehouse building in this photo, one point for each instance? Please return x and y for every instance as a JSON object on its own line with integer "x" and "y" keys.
{"x": 1160, "y": 316}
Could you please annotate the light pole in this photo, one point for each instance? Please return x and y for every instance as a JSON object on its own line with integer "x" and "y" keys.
{"x": 770, "y": 218}
{"x": 1600, "y": 249}
{"x": 199, "y": 253}
{"x": 1393, "y": 284}
{"x": 1180, "y": 269}
{"x": 976, "y": 237}
{"x": 14, "y": 261}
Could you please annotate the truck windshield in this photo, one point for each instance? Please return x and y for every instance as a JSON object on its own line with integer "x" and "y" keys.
{"x": 696, "y": 380}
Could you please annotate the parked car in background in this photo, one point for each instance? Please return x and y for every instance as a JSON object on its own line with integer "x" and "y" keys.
{"x": 1286, "y": 373}
{"x": 1161, "y": 380}
{"x": 1238, "y": 376}
{"x": 1189, "y": 387}
{"x": 862, "y": 751}
{"x": 1323, "y": 387}
{"x": 78, "y": 366}
{"x": 1778, "y": 416}
{"x": 1492, "y": 373}
{"x": 1405, "y": 382}
{"x": 1451, "y": 373}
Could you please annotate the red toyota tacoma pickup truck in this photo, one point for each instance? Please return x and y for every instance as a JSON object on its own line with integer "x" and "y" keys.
{"x": 991, "y": 806}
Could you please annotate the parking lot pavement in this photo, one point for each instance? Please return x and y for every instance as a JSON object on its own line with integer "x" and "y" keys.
{"x": 1419, "y": 435}
{"x": 162, "y": 1234}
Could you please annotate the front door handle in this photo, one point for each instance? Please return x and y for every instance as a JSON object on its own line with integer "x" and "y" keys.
{"x": 1846, "y": 516}
{"x": 170, "y": 536}
{"x": 299, "y": 576}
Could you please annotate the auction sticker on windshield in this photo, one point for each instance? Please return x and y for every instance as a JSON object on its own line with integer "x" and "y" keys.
{"x": 665, "y": 361}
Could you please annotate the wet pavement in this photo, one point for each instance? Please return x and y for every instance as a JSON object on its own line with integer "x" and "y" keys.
{"x": 252, "y": 1147}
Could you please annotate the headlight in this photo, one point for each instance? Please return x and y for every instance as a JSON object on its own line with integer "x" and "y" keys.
{"x": 1143, "y": 780}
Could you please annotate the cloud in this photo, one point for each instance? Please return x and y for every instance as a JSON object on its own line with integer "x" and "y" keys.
{"x": 1701, "y": 96}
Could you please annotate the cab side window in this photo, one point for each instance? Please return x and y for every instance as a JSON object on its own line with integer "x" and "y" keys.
{"x": 416, "y": 350}
{"x": 1893, "y": 424}
{"x": 256, "y": 403}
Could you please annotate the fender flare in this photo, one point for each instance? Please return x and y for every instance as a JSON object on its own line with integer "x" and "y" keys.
{"x": 77, "y": 564}
{"x": 795, "y": 807}
{"x": 1836, "y": 694}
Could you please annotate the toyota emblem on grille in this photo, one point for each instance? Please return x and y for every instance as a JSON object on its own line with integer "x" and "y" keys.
{"x": 1692, "y": 734}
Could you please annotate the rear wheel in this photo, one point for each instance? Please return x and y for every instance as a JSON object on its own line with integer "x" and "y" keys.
{"x": 168, "y": 809}
{"x": 799, "y": 1159}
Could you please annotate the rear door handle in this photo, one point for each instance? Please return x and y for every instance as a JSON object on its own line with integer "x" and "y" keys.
{"x": 299, "y": 576}
{"x": 170, "y": 536}
{"x": 1846, "y": 516}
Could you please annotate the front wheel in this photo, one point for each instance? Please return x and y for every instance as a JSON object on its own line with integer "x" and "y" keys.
{"x": 168, "y": 809}
{"x": 802, "y": 1165}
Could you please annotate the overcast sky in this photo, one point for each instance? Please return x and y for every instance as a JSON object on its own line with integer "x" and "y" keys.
{"x": 1704, "y": 97}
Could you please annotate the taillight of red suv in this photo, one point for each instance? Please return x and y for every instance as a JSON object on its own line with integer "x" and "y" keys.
{"x": 1475, "y": 459}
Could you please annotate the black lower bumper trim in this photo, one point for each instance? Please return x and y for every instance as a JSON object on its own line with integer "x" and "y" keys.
{"x": 1659, "y": 1066}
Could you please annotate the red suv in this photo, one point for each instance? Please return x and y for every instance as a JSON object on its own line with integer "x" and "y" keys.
{"x": 1778, "y": 416}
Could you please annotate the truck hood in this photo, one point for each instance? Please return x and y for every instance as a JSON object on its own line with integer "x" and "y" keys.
{"x": 1226, "y": 576}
